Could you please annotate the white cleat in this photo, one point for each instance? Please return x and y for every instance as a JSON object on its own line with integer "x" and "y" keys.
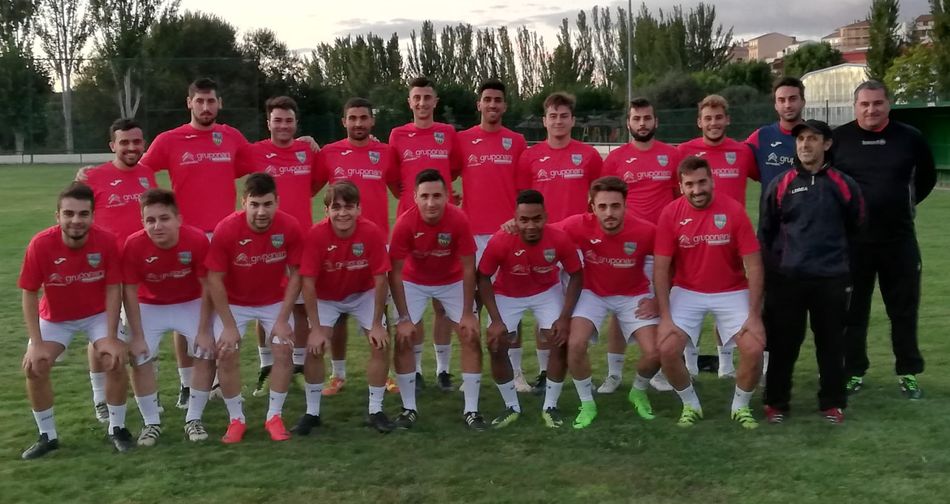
{"x": 610, "y": 385}
{"x": 520, "y": 384}
{"x": 660, "y": 383}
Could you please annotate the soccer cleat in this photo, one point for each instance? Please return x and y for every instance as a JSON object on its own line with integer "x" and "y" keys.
{"x": 420, "y": 382}
{"x": 262, "y": 389}
{"x": 184, "y": 394}
{"x": 854, "y": 385}
{"x": 195, "y": 430}
{"x": 660, "y": 383}
{"x": 505, "y": 419}
{"x": 475, "y": 421}
{"x": 335, "y": 386}
{"x": 520, "y": 384}
{"x": 406, "y": 419}
{"x": 909, "y": 387}
{"x": 744, "y": 417}
{"x": 275, "y": 427}
{"x": 102, "y": 412}
{"x": 380, "y": 422}
{"x": 445, "y": 381}
{"x": 122, "y": 439}
{"x": 586, "y": 415}
{"x": 149, "y": 435}
{"x": 235, "y": 432}
{"x": 833, "y": 415}
{"x": 215, "y": 393}
{"x": 391, "y": 386}
{"x": 610, "y": 385}
{"x": 158, "y": 399}
{"x": 540, "y": 384}
{"x": 774, "y": 415}
{"x": 552, "y": 418}
{"x": 727, "y": 373}
{"x": 641, "y": 403}
{"x": 306, "y": 424}
{"x": 42, "y": 446}
{"x": 689, "y": 416}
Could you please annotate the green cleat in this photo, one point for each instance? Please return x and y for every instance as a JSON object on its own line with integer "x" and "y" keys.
{"x": 745, "y": 418}
{"x": 505, "y": 419}
{"x": 854, "y": 385}
{"x": 587, "y": 413}
{"x": 689, "y": 416}
{"x": 552, "y": 418}
{"x": 641, "y": 403}
{"x": 909, "y": 387}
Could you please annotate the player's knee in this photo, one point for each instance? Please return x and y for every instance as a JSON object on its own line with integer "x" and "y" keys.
{"x": 750, "y": 346}
{"x": 283, "y": 354}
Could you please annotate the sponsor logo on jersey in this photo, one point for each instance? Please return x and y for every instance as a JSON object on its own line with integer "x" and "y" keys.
{"x": 629, "y": 177}
{"x": 412, "y": 134}
{"x": 331, "y": 248}
{"x": 277, "y": 240}
{"x": 189, "y": 137}
{"x": 628, "y": 161}
{"x": 519, "y": 252}
{"x": 115, "y": 182}
{"x": 444, "y": 239}
{"x": 776, "y": 143}
{"x": 244, "y": 241}
{"x": 419, "y": 234}
{"x": 59, "y": 260}
{"x": 439, "y": 137}
{"x": 595, "y": 241}
{"x": 545, "y": 158}
{"x": 505, "y": 143}
{"x": 270, "y": 155}
{"x": 94, "y": 259}
{"x": 184, "y": 257}
{"x": 374, "y": 157}
{"x": 686, "y": 221}
{"x": 549, "y": 255}
{"x": 731, "y": 157}
{"x": 629, "y": 247}
{"x": 215, "y": 157}
{"x": 798, "y": 190}
{"x": 346, "y": 152}
{"x": 577, "y": 159}
{"x": 339, "y": 172}
{"x": 151, "y": 259}
{"x": 217, "y": 137}
{"x": 719, "y": 220}
{"x": 358, "y": 249}
{"x": 476, "y": 141}
{"x": 874, "y": 142}
{"x": 301, "y": 156}
{"x": 663, "y": 159}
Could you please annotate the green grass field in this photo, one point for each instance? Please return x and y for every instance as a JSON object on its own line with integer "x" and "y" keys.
{"x": 888, "y": 450}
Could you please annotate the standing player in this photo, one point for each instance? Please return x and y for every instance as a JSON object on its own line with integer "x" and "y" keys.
{"x": 252, "y": 276}
{"x": 432, "y": 254}
{"x": 526, "y": 277}
{"x": 344, "y": 268}
{"x": 489, "y": 154}
{"x": 732, "y": 163}
{"x": 200, "y": 158}
{"x": 894, "y": 167}
{"x": 774, "y": 146}
{"x": 164, "y": 290}
{"x": 703, "y": 243}
{"x": 648, "y": 166}
{"x": 77, "y": 267}
{"x": 372, "y": 167}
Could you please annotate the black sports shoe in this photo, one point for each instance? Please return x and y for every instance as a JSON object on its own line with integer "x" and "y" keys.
{"x": 121, "y": 439}
{"x": 306, "y": 424}
{"x": 475, "y": 421}
{"x": 261, "y": 388}
{"x": 445, "y": 381}
{"x": 540, "y": 383}
{"x": 183, "y": 395}
{"x": 380, "y": 422}
{"x": 406, "y": 419}
{"x": 41, "y": 447}
{"x": 420, "y": 382}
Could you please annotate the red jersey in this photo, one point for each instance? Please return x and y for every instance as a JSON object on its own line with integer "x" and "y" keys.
{"x": 117, "y": 195}
{"x": 613, "y": 263}
{"x": 419, "y": 149}
{"x": 562, "y": 175}
{"x": 344, "y": 266}
{"x": 651, "y": 176}
{"x": 73, "y": 280}
{"x": 372, "y": 168}
{"x": 528, "y": 269}
{"x": 293, "y": 168}
{"x": 488, "y": 161}
{"x": 166, "y": 276}
{"x": 706, "y": 245}
{"x": 201, "y": 167}
{"x": 732, "y": 163}
{"x": 432, "y": 252}
{"x": 255, "y": 264}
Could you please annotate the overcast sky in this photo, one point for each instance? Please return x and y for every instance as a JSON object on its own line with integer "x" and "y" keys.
{"x": 305, "y": 23}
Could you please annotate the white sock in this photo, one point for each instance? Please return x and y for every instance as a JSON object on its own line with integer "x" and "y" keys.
{"x": 615, "y": 364}
{"x": 510, "y": 395}
{"x": 45, "y": 423}
{"x": 641, "y": 383}
{"x": 552, "y": 393}
{"x": 116, "y": 416}
{"x": 197, "y": 401}
{"x": 300, "y": 354}
{"x": 376, "y": 395}
{"x": 471, "y": 383}
{"x": 741, "y": 399}
{"x": 314, "y": 392}
{"x": 691, "y": 354}
{"x": 514, "y": 355}
{"x": 184, "y": 375}
{"x": 276, "y": 404}
{"x": 98, "y": 381}
{"x": 407, "y": 389}
{"x": 235, "y": 407}
{"x": 267, "y": 358}
{"x": 689, "y": 397}
{"x": 543, "y": 359}
{"x": 417, "y": 350}
{"x": 443, "y": 354}
{"x": 339, "y": 368}
{"x": 584, "y": 389}
{"x": 148, "y": 407}
{"x": 726, "y": 365}
{"x": 765, "y": 362}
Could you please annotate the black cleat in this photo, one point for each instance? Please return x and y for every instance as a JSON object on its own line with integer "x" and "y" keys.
{"x": 445, "y": 381}
{"x": 540, "y": 384}
{"x": 420, "y": 382}
{"x": 261, "y": 389}
{"x": 122, "y": 439}
{"x": 41, "y": 447}
{"x": 475, "y": 421}
{"x": 380, "y": 422}
{"x": 406, "y": 419}
{"x": 306, "y": 424}
{"x": 184, "y": 394}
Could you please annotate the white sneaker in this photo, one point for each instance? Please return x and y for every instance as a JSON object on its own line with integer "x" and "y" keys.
{"x": 660, "y": 383}
{"x": 610, "y": 385}
{"x": 727, "y": 373}
{"x": 520, "y": 384}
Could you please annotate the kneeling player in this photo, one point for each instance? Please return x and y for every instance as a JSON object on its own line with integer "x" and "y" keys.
{"x": 527, "y": 279}
{"x": 344, "y": 268}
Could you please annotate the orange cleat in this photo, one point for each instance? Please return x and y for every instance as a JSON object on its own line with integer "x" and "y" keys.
{"x": 335, "y": 386}
{"x": 391, "y": 386}
{"x": 275, "y": 427}
{"x": 235, "y": 432}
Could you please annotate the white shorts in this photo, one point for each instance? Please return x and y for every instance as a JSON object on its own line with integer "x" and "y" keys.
{"x": 244, "y": 315}
{"x": 565, "y": 276}
{"x": 688, "y": 308}
{"x": 481, "y": 242}
{"x": 546, "y": 307}
{"x": 451, "y": 297}
{"x": 594, "y": 308}
{"x": 95, "y": 327}
{"x": 158, "y": 319}
{"x": 360, "y": 305}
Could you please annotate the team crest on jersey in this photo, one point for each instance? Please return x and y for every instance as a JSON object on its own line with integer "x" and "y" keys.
{"x": 731, "y": 157}
{"x": 184, "y": 257}
{"x": 301, "y": 156}
{"x": 629, "y": 247}
{"x": 719, "y": 220}
{"x": 445, "y": 239}
{"x": 277, "y": 240}
{"x": 663, "y": 159}
{"x": 144, "y": 182}
{"x": 358, "y": 249}
{"x": 505, "y": 143}
{"x": 577, "y": 159}
{"x": 94, "y": 259}
{"x": 549, "y": 255}
{"x": 439, "y": 137}
{"x": 217, "y": 137}
{"x": 374, "y": 157}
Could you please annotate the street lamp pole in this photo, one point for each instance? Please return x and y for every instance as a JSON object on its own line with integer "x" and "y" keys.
{"x": 629, "y": 57}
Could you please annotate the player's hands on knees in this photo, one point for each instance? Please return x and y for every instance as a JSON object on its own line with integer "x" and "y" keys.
{"x": 37, "y": 360}
{"x": 468, "y": 327}
{"x": 317, "y": 341}
{"x": 647, "y": 308}
{"x": 204, "y": 346}
{"x": 560, "y": 331}
{"x": 378, "y": 337}
{"x": 753, "y": 328}
{"x": 496, "y": 332}
{"x": 405, "y": 332}
{"x": 282, "y": 333}
{"x": 113, "y": 353}
{"x": 664, "y": 330}
{"x": 229, "y": 341}
{"x": 138, "y": 349}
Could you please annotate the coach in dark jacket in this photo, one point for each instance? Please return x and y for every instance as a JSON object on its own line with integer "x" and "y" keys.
{"x": 809, "y": 216}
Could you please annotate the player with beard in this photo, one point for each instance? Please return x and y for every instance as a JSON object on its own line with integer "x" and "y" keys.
{"x": 774, "y": 145}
